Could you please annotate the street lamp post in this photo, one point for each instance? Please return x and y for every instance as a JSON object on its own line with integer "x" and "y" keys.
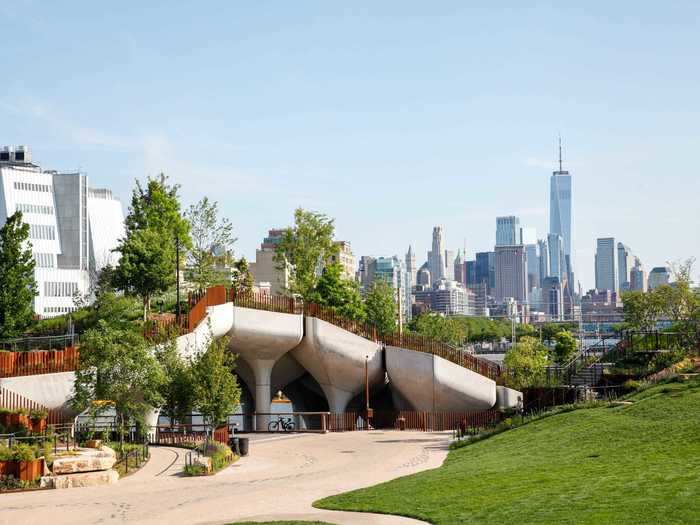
{"x": 177, "y": 278}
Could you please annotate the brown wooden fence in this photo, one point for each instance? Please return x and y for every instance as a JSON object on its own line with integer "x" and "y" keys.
{"x": 412, "y": 420}
{"x": 14, "y": 364}
{"x": 12, "y": 401}
{"x": 185, "y": 435}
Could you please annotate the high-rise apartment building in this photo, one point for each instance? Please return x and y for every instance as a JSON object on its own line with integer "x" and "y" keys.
{"x": 552, "y": 299}
{"x": 265, "y": 270}
{"x": 511, "y": 273}
{"x": 449, "y": 271}
{"x": 625, "y": 262}
{"x": 449, "y": 298}
{"x": 470, "y": 273}
{"x": 73, "y": 228}
{"x": 346, "y": 259}
{"x": 605, "y": 265}
{"x": 507, "y": 231}
{"x": 392, "y": 271}
{"x": 659, "y": 276}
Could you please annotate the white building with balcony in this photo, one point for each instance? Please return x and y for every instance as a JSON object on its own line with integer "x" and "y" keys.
{"x": 73, "y": 228}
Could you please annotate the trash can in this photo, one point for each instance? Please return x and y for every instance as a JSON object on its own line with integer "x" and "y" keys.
{"x": 235, "y": 445}
{"x": 243, "y": 444}
{"x": 402, "y": 423}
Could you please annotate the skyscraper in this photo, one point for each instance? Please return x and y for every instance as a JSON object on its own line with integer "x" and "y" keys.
{"x": 560, "y": 210}
{"x": 459, "y": 270}
{"x": 486, "y": 270}
{"x": 511, "y": 273}
{"x": 436, "y": 256}
{"x": 557, "y": 264}
{"x": 625, "y": 262}
{"x": 605, "y": 267}
{"x": 638, "y": 277}
{"x": 658, "y": 276}
{"x": 449, "y": 271}
{"x": 507, "y": 231}
{"x": 543, "y": 259}
{"x": 411, "y": 268}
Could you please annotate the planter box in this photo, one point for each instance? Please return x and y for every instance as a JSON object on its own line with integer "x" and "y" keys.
{"x": 10, "y": 420}
{"x": 31, "y": 470}
{"x": 94, "y": 443}
{"x": 38, "y": 425}
{"x": 23, "y": 470}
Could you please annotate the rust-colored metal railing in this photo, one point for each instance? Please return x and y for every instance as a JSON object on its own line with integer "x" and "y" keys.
{"x": 267, "y": 302}
{"x": 15, "y": 364}
{"x": 412, "y": 420}
{"x": 420, "y": 343}
{"x": 332, "y": 316}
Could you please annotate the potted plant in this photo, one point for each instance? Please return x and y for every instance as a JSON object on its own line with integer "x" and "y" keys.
{"x": 19, "y": 417}
{"x": 38, "y": 420}
{"x": 5, "y": 417}
{"x": 29, "y": 466}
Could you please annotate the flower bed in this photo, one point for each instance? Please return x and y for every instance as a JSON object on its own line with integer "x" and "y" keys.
{"x": 215, "y": 457}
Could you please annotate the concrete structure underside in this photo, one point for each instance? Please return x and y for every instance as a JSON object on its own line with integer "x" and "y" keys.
{"x": 294, "y": 353}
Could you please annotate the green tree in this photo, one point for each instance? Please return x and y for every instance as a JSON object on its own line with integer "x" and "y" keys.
{"x": 304, "y": 250}
{"x": 216, "y": 390}
{"x": 212, "y": 245}
{"x": 17, "y": 284}
{"x": 381, "y": 307}
{"x": 148, "y": 250}
{"x": 241, "y": 278}
{"x": 526, "y": 363}
{"x": 565, "y": 347}
{"x": 340, "y": 294}
{"x": 177, "y": 390}
{"x": 449, "y": 330}
{"x": 117, "y": 365}
{"x": 641, "y": 310}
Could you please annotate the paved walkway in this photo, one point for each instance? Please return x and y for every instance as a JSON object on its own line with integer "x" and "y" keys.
{"x": 279, "y": 480}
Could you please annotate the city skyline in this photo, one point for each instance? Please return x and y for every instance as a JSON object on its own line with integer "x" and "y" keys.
{"x": 386, "y": 133}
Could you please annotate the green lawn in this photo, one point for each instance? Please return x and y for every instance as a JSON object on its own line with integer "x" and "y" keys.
{"x": 638, "y": 463}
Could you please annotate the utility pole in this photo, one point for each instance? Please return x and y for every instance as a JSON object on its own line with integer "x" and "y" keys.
{"x": 177, "y": 277}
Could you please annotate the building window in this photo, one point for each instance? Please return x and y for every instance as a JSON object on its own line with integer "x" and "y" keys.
{"x": 44, "y": 260}
{"x": 28, "y": 186}
{"x": 60, "y": 289}
{"x": 35, "y": 208}
{"x": 42, "y": 232}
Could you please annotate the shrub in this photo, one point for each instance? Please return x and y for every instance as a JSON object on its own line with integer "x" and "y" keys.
{"x": 6, "y": 453}
{"x": 24, "y": 452}
{"x": 631, "y": 385}
{"x": 38, "y": 414}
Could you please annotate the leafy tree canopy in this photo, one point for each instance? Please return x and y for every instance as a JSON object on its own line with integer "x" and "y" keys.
{"x": 449, "y": 330}
{"x": 304, "y": 250}
{"x": 148, "y": 251}
{"x": 380, "y": 307}
{"x": 241, "y": 278}
{"x": 177, "y": 390}
{"x": 216, "y": 390}
{"x": 17, "y": 284}
{"x": 565, "y": 347}
{"x": 116, "y": 365}
{"x": 212, "y": 245}
{"x": 340, "y": 294}
{"x": 526, "y": 363}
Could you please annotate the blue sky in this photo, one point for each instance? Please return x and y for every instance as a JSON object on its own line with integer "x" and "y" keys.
{"x": 391, "y": 117}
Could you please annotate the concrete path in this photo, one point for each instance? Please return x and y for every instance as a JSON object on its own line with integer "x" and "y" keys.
{"x": 279, "y": 480}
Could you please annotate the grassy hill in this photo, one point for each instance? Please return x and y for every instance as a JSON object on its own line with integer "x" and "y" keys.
{"x": 637, "y": 463}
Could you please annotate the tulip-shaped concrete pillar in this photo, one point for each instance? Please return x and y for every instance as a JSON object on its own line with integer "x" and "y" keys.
{"x": 261, "y": 338}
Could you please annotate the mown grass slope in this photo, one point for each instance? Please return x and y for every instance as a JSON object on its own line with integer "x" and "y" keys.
{"x": 637, "y": 463}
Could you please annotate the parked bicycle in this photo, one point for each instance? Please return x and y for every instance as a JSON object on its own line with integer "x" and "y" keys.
{"x": 282, "y": 424}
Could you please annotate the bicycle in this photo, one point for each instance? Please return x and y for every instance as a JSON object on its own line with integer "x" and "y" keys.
{"x": 284, "y": 424}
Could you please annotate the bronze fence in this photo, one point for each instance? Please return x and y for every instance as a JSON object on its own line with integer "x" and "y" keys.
{"x": 267, "y": 302}
{"x": 14, "y": 364}
{"x": 187, "y": 435}
{"x": 412, "y": 420}
{"x": 10, "y": 400}
{"x": 330, "y": 315}
{"x": 420, "y": 343}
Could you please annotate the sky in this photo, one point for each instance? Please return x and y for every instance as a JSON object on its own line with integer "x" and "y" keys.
{"x": 392, "y": 117}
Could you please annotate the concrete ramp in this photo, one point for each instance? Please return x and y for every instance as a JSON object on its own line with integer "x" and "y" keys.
{"x": 434, "y": 384}
{"x": 336, "y": 360}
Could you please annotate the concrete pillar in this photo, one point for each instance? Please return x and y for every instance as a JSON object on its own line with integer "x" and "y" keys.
{"x": 262, "y": 369}
{"x": 337, "y": 399}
